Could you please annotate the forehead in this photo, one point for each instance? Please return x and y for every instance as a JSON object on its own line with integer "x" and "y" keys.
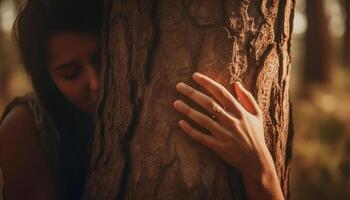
{"x": 67, "y": 46}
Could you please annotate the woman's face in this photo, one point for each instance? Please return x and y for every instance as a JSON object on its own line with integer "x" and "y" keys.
{"x": 74, "y": 64}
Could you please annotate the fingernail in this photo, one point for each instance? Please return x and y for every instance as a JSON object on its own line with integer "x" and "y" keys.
{"x": 180, "y": 85}
{"x": 177, "y": 103}
{"x": 196, "y": 75}
{"x": 181, "y": 122}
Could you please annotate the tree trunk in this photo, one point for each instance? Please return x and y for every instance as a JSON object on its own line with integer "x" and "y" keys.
{"x": 139, "y": 152}
{"x": 317, "y": 68}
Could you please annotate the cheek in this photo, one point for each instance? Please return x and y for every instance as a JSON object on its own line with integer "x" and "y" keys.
{"x": 74, "y": 91}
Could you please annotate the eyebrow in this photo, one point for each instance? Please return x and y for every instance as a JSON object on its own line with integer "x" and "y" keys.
{"x": 67, "y": 65}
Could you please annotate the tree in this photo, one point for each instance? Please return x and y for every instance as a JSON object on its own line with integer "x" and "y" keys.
{"x": 139, "y": 152}
{"x": 317, "y": 68}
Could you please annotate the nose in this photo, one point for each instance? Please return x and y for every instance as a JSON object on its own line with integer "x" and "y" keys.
{"x": 94, "y": 79}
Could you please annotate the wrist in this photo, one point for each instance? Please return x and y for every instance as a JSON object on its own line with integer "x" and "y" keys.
{"x": 261, "y": 178}
{"x": 261, "y": 181}
{"x": 263, "y": 168}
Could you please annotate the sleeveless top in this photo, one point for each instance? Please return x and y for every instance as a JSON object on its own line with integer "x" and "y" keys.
{"x": 48, "y": 133}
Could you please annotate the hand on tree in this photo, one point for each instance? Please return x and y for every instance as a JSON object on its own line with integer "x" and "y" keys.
{"x": 236, "y": 128}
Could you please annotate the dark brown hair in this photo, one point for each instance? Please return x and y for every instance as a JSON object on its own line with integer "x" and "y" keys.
{"x": 35, "y": 22}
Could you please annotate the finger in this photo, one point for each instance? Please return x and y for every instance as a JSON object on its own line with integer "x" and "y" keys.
{"x": 219, "y": 92}
{"x": 200, "y": 137}
{"x": 206, "y": 102}
{"x": 200, "y": 118}
{"x": 247, "y": 99}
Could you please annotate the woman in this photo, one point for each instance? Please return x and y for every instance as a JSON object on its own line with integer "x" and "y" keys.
{"x": 42, "y": 134}
{"x": 59, "y": 43}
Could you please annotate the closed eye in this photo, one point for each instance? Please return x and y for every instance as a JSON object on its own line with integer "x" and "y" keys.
{"x": 72, "y": 75}
{"x": 69, "y": 71}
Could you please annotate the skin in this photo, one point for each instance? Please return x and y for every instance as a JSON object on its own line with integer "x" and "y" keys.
{"x": 236, "y": 133}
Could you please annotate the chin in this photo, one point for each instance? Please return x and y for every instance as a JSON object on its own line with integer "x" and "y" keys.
{"x": 87, "y": 108}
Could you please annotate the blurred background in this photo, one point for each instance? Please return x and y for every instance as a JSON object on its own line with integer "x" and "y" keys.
{"x": 320, "y": 92}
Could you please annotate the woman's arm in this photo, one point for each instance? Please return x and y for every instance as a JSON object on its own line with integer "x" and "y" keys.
{"x": 237, "y": 133}
{"x": 25, "y": 169}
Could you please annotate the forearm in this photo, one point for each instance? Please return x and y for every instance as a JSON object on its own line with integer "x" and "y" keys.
{"x": 264, "y": 187}
{"x": 263, "y": 183}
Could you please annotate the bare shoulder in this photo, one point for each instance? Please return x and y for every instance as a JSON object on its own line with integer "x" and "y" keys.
{"x": 19, "y": 118}
{"x": 17, "y": 130}
{"x": 23, "y": 163}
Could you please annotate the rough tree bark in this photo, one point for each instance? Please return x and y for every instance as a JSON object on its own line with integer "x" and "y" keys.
{"x": 139, "y": 152}
{"x": 317, "y": 67}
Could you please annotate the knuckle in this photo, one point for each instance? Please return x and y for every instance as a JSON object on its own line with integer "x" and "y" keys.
{"x": 190, "y": 131}
{"x": 232, "y": 122}
{"x": 204, "y": 121}
{"x": 210, "y": 104}
{"x": 190, "y": 92}
{"x": 223, "y": 91}
{"x": 188, "y": 111}
{"x": 228, "y": 133}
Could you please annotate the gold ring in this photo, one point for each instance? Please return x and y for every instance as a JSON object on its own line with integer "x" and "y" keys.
{"x": 216, "y": 108}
